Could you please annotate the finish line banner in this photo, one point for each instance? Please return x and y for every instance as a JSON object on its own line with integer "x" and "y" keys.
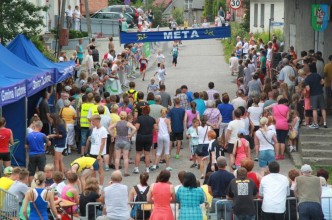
{"x": 189, "y": 34}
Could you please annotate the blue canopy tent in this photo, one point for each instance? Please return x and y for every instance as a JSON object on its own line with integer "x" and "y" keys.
{"x": 19, "y": 79}
{"x": 22, "y": 47}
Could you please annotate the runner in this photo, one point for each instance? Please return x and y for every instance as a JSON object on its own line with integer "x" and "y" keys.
{"x": 143, "y": 65}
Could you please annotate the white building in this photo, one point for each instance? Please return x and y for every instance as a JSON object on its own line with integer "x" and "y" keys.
{"x": 265, "y": 14}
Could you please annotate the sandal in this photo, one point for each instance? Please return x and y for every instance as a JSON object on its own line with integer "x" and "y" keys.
{"x": 126, "y": 174}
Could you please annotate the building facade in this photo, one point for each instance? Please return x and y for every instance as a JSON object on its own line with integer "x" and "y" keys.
{"x": 266, "y": 15}
{"x": 298, "y": 29}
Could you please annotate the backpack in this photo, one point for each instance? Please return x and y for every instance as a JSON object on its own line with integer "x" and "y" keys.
{"x": 131, "y": 96}
{"x": 136, "y": 211}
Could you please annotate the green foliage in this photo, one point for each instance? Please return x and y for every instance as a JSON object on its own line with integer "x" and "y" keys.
{"x": 158, "y": 15}
{"x": 40, "y": 46}
{"x": 246, "y": 20}
{"x": 19, "y": 16}
{"x": 115, "y": 2}
{"x": 211, "y": 8}
{"x": 216, "y": 6}
{"x": 207, "y": 13}
{"x": 178, "y": 15}
{"x": 238, "y": 30}
{"x": 72, "y": 34}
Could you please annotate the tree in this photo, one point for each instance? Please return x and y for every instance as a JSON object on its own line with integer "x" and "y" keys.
{"x": 246, "y": 20}
{"x": 178, "y": 15}
{"x": 207, "y": 13}
{"x": 19, "y": 16}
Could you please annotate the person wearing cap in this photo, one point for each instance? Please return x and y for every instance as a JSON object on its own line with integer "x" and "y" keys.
{"x": 326, "y": 198}
{"x": 10, "y": 175}
{"x": 308, "y": 191}
{"x": 68, "y": 114}
{"x": 98, "y": 144}
{"x": 274, "y": 189}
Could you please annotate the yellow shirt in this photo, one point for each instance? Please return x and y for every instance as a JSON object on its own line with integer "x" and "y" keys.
{"x": 114, "y": 119}
{"x": 208, "y": 199}
{"x": 328, "y": 74}
{"x": 68, "y": 115}
{"x": 5, "y": 183}
{"x": 83, "y": 163}
{"x": 185, "y": 24}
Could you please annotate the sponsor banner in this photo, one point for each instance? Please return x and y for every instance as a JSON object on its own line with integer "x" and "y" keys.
{"x": 188, "y": 34}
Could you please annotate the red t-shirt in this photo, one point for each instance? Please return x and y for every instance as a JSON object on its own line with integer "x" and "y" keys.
{"x": 5, "y": 135}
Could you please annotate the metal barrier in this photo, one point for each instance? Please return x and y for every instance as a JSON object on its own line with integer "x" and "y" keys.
{"x": 94, "y": 205}
{"x": 9, "y": 206}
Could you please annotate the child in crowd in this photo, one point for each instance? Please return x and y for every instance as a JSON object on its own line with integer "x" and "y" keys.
{"x": 161, "y": 74}
{"x": 49, "y": 169}
{"x": 143, "y": 65}
{"x": 192, "y": 134}
{"x": 33, "y": 120}
{"x": 70, "y": 193}
{"x": 241, "y": 149}
{"x": 152, "y": 87}
{"x": 59, "y": 183}
{"x": 294, "y": 126}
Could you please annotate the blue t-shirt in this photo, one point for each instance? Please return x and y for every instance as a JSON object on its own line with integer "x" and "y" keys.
{"x": 189, "y": 96}
{"x": 200, "y": 106}
{"x": 226, "y": 111}
{"x": 219, "y": 182}
{"x": 61, "y": 142}
{"x": 36, "y": 141}
{"x": 176, "y": 115}
{"x": 313, "y": 81}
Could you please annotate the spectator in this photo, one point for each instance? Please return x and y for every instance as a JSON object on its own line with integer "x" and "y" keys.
{"x": 10, "y": 175}
{"x": 274, "y": 189}
{"x": 165, "y": 97}
{"x": 38, "y": 199}
{"x": 191, "y": 114}
{"x": 70, "y": 193}
{"x": 248, "y": 164}
{"x": 328, "y": 83}
{"x": 116, "y": 198}
{"x": 213, "y": 115}
{"x": 202, "y": 150}
{"x": 241, "y": 149}
{"x": 142, "y": 188}
{"x": 105, "y": 121}
{"x": 156, "y": 108}
{"x": 218, "y": 184}
{"x": 68, "y": 114}
{"x": 189, "y": 198}
{"x": 44, "y": 113}
{"x": 211, "y": 91}
{"x": 162, "y": 194}
{"x": 6, "y": 135}
{"x": 254, "y": 87}
{"x": 308, "y": 191}
{"x": 234, "y": 64}
{"x": 240, "y": 100}
{"x": 35, "y": 143}
{"x": 90, "y": 194}
{"x": 287, "y": 75}
{"x": 243, "y": 200}
{"x": 292, "y": 206}
{"x": 326, "y": 199}
{"x": 59, "y": 183}
{"x": 214, "y": 152}
{"x": 200, "y": 105}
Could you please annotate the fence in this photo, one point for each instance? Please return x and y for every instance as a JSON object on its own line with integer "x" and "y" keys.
{"x": 102, "y": 27}
{"x": 9, "y": 206}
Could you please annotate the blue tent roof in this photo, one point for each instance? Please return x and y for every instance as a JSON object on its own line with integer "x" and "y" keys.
{"x": 14, "y": 71}
{"x": 22, "y": 47}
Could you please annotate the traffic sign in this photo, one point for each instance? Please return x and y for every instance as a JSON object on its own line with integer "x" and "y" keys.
{"x": 235, "y": 4}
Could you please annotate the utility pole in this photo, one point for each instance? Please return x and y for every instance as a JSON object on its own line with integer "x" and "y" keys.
{"x": 87, "y": 15}
{"x": 60, "y": 25}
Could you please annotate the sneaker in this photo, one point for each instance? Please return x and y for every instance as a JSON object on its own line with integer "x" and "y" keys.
{"x": 162, "y": 161}
{"x": 136, "y": 170}
{"x": 277, "y": 157}
{"x": 177, "y": 156}
{"x": 325, "y": 126}
{"x": 281, "y": 157}
{"x": 291, "y": 148}
{"x": 314, "y": 126}
{"x": 256, "y": 158}
{"x": 193, "y": 165}
{"x": 169, "y": 168}
{"x": 147, "y": 170}
{"x": 106, "y": 168}
{"x": 152, "y": 168}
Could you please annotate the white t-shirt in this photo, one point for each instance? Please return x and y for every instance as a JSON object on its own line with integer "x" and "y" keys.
{"x": 245, "y": 48}
{"x": 239, "y": 44}
{"x": 205, "y": 25}
{"x": 201, "y": 134}
{"x": 274, "y": 189}
{"x": 269, "y": 54}
{"x": 234, "y": 126}
{"x": 237, "y": 102}
{"x": 160, "y": 58}
{"x": 69, "y": 12}
{"x": 96, "y": 136}
{"x": 161, "y": 74}
{"x": 265, "y": 141}
{"x": 255, "y": 114}
{"x": 58, "y": 187}
{"x": 89, "y": 61}
{"x": 234, "y": 63}
{"x": 77, "y": 15}
{"x": 140, "y": 20}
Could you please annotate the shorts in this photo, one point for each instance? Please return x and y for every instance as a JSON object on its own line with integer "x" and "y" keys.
{"x": 308, "y": 113}
{"x": 108, "y": 143}
{"x": 5, "y": 156}
{"x": 143, "y": 142}
{"x": 317, "y": 102}
{"x": 193, "y": 149}
{"x": 122, "y": 145}
{"x": 265, "y": 157}
{"x": 230, "y": 148}
{"x": 59, "y": 149}
{"x": 176, "y": 136}
{"x": 36, "y": 161}
{"x": 85, "y": 133}
{"x": 95, "y": 156}
{"x": 281, "y": 136}
{"x": 142, "y": 67}
{"x": 163, "y": 143}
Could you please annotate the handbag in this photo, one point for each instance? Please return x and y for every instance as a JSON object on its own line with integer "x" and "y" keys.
{"x": 202, "y": 149}
{"x": 292, "y": 134}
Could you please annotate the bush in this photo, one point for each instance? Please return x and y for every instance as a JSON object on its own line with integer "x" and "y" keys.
{"x": 178, "y": 15}
{"x": 72, "y": 34}
{"x": 40, "y": 46}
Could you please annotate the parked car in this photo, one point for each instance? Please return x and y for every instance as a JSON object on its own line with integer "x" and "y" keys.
{"x": 119, "y": 8}
{"x": 116, "y": 16}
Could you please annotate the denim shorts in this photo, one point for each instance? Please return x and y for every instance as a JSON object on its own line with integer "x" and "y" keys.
{"x": 266, "y": 157}
{"x": 122, "y": 145}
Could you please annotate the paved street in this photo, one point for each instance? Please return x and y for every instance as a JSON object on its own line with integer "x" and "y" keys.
{"x": 199, "y": 62}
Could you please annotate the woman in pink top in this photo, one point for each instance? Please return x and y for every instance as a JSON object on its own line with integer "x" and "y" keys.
{"x": 162, "y": 194}
{"x": 241, "y": 149}
{"x": 191, "y": 114}
{"x": 70, "y": 193}
{"x": 281, "y": 116}
{"x": 125, "y": 107}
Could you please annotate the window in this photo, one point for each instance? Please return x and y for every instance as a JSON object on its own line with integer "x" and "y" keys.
{"x": 272, "y": 11}
{"x": 188, "y": 4}
{"x": 262, "y": 14}
{"x": 255, "y": 15}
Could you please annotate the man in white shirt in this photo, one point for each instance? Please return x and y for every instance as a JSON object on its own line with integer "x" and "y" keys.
{"x": 239, "y": 100}
{"x": 89, "y": 61}
{"x": 98, "y": 144}
{"x": 287, "y": 75}
{"x": 245, "y": 47}
{"x": 69, "y": 17}
{"x": 231, "y": 135}
{"x": 274, "y": 189}
{"x": 77, "y": 18}
{"x": 234, "y": 64}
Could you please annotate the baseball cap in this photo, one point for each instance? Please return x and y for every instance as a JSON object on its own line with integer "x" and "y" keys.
{"x": 306, "y": 168}
{"x": 8, "y": 170}
{"x": 241, "y": 131}
{"x": 95, "y": 165}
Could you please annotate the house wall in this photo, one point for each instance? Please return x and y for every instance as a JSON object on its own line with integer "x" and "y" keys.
{"x": 264, "y": 26}
{"x": 298, "y": 15}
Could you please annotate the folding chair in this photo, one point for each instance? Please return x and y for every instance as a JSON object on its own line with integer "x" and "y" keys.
{"x": 13, "y": 150}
